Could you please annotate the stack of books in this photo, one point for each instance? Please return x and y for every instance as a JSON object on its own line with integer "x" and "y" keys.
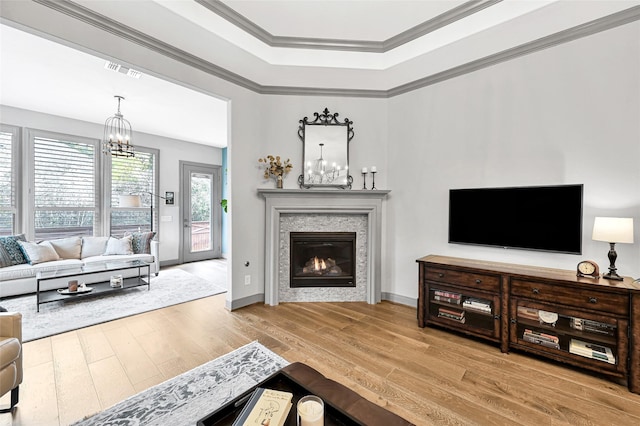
{"x": 593, "y": 326}
{"x": 591, "y": 350}
{"x": 544, "y": 339}
{"x": 265, "y": 407}
{"x": 451, "y": 314}
{"x": 477, "y": 305}
{"x": 447, "y": 296}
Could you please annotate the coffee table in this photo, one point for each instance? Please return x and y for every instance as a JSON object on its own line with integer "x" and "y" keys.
{"x": 343, "y": 406}
{"x": 100, "y": 272}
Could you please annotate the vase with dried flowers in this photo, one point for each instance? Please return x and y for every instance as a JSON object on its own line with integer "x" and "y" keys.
{"x": 276, "y": 168}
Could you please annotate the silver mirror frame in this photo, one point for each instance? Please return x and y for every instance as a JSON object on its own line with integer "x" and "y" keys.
{"x": 314, "y": 173}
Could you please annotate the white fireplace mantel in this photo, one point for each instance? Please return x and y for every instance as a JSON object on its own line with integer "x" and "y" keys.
{"x": 323, "y": 201}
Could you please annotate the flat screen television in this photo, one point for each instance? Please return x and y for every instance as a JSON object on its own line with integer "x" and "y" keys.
{"x": 545, "y": 218}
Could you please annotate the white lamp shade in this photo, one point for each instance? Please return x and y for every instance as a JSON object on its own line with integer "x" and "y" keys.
{"x": 129, "y": 201}
{"x": 613, "y": 229}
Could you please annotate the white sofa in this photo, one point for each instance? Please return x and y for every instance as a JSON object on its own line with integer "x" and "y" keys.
{"x": 21, "y": 279}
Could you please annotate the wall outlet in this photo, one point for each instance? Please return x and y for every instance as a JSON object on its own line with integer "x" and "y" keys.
{"x": 247, "y": 279}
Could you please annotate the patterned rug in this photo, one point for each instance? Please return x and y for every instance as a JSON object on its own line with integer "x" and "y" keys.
{"x": 167, "y": 289}
{"x": 189, "y": 397}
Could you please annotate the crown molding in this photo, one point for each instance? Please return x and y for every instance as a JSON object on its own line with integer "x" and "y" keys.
{"x": 589, "y": 28}
{"x": 462, "y": 11}
{"x": 87, "y": 16}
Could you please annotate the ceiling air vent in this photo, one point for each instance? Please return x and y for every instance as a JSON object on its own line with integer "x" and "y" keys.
{"x": 122, "y": 69}
{"x": 112, "y": 66}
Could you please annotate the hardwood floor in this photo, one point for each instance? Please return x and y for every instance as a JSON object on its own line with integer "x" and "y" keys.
{"x": 428, "y": 376}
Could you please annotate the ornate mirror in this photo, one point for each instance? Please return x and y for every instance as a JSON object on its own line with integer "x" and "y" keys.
{"x": 325, "y": 155}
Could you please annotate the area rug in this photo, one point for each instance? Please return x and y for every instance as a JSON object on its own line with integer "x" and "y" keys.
{"x": 187, "y": 398}
{"x": 171, "y": 287}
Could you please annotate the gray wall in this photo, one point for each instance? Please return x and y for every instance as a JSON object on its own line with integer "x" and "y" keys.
{"x": 568, "y": 114}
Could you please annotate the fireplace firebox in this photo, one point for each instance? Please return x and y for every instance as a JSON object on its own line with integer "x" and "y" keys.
{"x": 322, "y": 259}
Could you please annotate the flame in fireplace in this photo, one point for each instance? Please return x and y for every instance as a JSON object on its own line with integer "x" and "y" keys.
{"x": 319, "y": 264}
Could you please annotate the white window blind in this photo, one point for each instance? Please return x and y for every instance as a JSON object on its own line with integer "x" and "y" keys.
{"x": 132, "y": 176}
{"x": 7, "y": 183}
{"x": 64, "y": 187}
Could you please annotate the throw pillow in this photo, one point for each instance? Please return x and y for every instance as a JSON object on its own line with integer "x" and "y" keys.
{"x": 93, "y": 246}
{"x": 38, "y": 253}
{"x": 118, "y": 246}
{"x": 67, "y": 248}
{"x": 141, "y": 241}
{"x": 10, "y": 251}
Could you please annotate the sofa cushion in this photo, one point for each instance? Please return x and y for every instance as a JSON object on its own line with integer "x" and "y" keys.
{"x": 67, "y": 248}
{"x": 25, "y": 270}
{"x": 37, "y": 253}
{"x": 119, "y": 246}
{"x": 93, "y": 246}
{"x": 141, "y": 241}
{"x": 10, "y": 251}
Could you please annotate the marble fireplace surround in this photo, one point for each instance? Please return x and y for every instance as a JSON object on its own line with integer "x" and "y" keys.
{"x": 323, "y": 201}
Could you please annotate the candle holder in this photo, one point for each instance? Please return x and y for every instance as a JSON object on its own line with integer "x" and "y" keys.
{"x": 364, "y": 180}
{"x": 373, "y": 177}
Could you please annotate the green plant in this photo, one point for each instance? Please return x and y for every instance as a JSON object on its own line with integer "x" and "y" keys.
{"x": 223, "y": 203}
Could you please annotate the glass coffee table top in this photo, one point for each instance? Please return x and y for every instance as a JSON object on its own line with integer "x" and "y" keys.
{"x": 91, "y": 268}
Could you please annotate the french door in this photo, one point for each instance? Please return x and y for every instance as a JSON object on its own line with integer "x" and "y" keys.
{"x": 200, "y": 211}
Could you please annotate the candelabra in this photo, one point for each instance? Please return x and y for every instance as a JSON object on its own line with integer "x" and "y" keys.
{"x": 364, "y": 179}
{"x": 373, "y": 179}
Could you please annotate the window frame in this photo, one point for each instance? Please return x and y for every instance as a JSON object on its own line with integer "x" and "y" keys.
{"x": 29, "y": 146}
{"x": 106, "y": 196}
{"x": 16, "y": 136}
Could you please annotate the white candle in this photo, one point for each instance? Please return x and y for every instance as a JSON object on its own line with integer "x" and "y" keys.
{"x": 364, "y": 170}
{"x": 311, "y": 413}
{"x": 373, "y": 169}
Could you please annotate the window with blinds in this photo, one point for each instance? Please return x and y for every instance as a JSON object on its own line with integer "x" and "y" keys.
{"x": 64, "y": 190}
{"x": 8, "y": 178}
{"x": 132, "y": 176}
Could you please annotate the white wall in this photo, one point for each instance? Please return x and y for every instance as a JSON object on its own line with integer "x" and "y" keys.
{"x": 569, "y": 114}
{"x": 171, "y": 151}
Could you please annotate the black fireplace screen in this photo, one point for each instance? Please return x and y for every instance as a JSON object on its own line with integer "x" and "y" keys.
{"x": 323, "y": 259}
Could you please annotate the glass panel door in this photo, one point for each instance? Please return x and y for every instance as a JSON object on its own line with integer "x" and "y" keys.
{"x": 201, "y": 220}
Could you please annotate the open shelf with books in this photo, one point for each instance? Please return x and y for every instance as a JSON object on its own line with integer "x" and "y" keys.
{"x": 454, "y": 303}
{"x": 578, "y": 337}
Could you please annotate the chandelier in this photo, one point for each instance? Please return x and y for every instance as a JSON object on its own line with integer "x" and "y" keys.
{"x": 319, "y": 171}
{"x": 117, "y": 135}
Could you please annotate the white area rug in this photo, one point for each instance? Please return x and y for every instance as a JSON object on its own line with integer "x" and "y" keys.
{"x": 187, "y": 398}
{"x": 171, "y": 287}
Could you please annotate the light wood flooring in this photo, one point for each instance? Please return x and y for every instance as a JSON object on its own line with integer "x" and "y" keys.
{"x": 429, "y": 376}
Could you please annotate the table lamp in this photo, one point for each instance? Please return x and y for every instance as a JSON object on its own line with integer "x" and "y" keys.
{"x": 613, "y": 230}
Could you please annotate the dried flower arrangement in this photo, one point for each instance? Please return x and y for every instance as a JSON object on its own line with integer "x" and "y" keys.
{"x": 276, "y": 168}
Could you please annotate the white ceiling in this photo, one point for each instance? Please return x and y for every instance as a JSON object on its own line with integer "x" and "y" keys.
{"x": 43, "y": 75}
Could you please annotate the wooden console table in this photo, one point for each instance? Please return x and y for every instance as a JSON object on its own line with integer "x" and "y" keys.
{"x": 589, "y": 323}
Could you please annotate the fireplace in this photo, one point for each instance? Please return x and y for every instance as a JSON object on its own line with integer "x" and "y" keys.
{"x": 322, "y": 259}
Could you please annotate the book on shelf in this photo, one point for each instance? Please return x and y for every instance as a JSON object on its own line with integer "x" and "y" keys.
{"x": 451, "y": 314}
{"x": 591, "y": 350}
{"x": 540, "y": 338}
{"x": 446, "y": 299}
{"x": 592, "y": 326}
{"x": 528, "y": 313}
{"x": 448, "y": 294}
{"x": 477, "y": 305}
{"x": 265, "y": 407}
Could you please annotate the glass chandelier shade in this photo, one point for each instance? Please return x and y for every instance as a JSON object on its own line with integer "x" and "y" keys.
{"x": 117, "y": 135}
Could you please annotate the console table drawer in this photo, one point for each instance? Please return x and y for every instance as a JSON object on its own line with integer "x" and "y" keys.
{"x": 475, "y": 280}
{"x": 577, "y": 297}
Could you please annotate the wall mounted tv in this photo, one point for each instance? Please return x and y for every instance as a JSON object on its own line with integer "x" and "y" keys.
{"x": 546, "y": 218}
